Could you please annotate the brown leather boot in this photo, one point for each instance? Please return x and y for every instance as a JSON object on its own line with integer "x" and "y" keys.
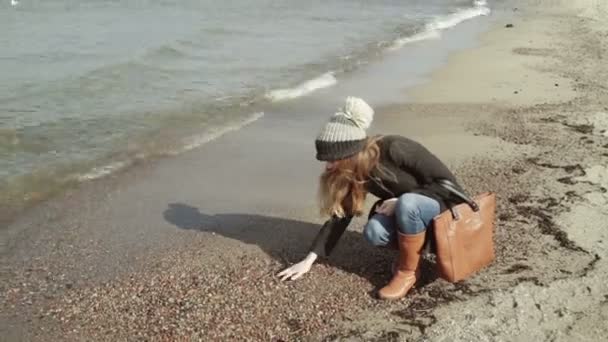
{"x": 410, "y": 249}
{"x": 395, "y": 264}
{"x": 393, "y": 245}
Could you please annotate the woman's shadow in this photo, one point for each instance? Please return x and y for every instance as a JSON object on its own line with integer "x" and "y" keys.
{"x": 287, "y": 240}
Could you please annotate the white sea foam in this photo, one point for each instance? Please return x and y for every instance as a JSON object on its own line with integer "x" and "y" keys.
{"x": 323, "y": 81}
{"x": 433, "y": 29}
{"x": 224, "y": 98}
{"x": 451, "y": 20}
{"x": 188, "y": 144}
{"x": 102, "y": 171}
{"x": 198, "y": 140}
{"x": 424, "y": 35}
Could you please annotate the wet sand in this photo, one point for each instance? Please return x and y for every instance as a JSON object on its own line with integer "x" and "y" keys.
{"x": 187, "y": 248}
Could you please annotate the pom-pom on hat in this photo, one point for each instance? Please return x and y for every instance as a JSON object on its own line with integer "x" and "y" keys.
{"x": 344, "y": 135}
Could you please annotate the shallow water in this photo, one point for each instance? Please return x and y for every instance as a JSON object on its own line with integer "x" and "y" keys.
{"x": 88, "y": 87}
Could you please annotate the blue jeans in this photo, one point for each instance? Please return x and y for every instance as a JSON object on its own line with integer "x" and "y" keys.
{"x": 413, "y": 214}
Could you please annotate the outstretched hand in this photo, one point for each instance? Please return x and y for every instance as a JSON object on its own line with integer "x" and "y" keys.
{"x": 296, "y": 271}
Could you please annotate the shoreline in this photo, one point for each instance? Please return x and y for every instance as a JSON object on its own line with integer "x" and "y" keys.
{"x": 19, "y": 193}
{"x": 58, "y": 190}
{"x": 225, "y": 249}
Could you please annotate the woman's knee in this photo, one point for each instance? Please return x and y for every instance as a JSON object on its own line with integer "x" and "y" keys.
{"x": 375, "y": 233}
{"x": 407, "y": 205}
{"x": 415, "y": 212}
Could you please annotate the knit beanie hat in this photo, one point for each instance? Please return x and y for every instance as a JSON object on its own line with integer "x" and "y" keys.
{"x": 344, "y": 134}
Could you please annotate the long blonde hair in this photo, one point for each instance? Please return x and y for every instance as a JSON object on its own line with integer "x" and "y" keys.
{"x": 342, "y": 189}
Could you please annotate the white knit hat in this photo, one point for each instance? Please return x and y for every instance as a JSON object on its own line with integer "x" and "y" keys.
{"x": 344, "y": 134}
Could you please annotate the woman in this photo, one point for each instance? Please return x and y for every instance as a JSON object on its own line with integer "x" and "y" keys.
{"x": 400, "y": 172}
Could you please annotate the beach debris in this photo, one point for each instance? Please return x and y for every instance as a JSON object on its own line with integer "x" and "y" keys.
{"x": 509, "y": 26}
{"x": 581, "y": 128}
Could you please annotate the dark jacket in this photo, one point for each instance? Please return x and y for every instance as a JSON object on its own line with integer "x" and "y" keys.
{"x": 404, "y": 166}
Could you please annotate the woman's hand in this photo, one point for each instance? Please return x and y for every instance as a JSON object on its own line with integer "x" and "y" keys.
{"x": 296, "y": 271}
{"x": 387, "y": 207}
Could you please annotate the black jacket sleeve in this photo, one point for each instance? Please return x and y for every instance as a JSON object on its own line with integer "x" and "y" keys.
{"x": 328, "y": 236}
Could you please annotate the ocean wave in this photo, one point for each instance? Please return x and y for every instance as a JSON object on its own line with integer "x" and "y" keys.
{"x": 324, "y": 81}
{"x": 102, "y": 171}
{"x": 433, "y": 29}
{"x": 196, "y": 141}
{"x": 187, "y": 145}
{"x": 424, "y": 35}
{"x": 167, "y": 51}
{"x": 451, "y": 20}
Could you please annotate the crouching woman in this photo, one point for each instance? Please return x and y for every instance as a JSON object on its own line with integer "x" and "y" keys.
{"x": 402, "y": 173}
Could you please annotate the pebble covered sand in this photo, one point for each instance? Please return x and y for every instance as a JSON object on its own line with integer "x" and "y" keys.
{"x": 221, "y": 289}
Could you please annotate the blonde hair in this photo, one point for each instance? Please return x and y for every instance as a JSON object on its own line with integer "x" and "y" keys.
{"x": 342, "y": 189}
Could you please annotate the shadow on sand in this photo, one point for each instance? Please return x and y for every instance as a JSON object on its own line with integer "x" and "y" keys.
{"x": 286, "y": 239}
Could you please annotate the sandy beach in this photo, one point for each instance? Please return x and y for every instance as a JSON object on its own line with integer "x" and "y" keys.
{"x": 187, "y": 248}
